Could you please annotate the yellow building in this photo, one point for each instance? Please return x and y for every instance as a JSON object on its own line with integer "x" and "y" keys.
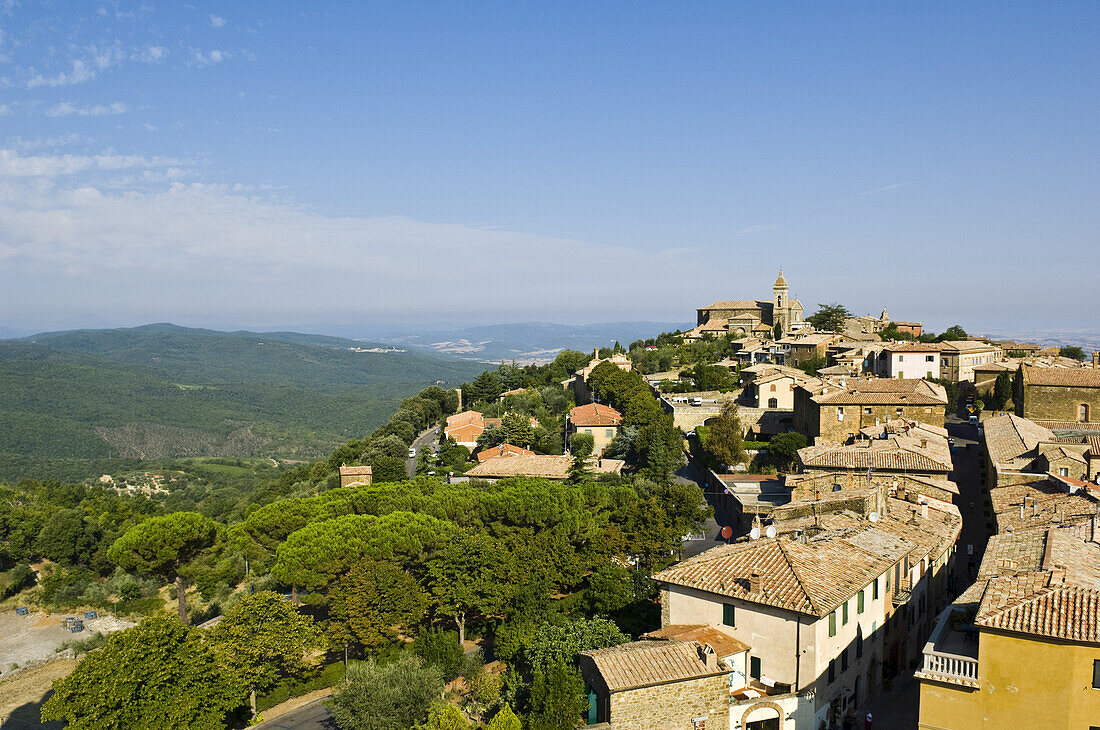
{"x": 1021, "y": 647}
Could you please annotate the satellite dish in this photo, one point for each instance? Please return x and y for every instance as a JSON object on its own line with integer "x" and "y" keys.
{"x": 873, "y": 517}
{"x": 754, "y": 533}
{"x": 770, "y": 532}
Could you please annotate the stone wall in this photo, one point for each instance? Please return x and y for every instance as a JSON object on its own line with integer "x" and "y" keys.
{"x": 828, "y": 427}
{"x": 673, "y": 706}
{"x": 1050, "y": 403}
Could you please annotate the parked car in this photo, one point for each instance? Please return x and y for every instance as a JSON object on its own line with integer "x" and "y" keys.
{"x": 412, "y": 453}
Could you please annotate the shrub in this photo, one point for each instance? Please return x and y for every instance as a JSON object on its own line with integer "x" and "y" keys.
{"x": 329, "y": 676}
{"x": 441, "y": 649}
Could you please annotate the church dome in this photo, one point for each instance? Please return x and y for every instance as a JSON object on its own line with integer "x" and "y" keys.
{"x": 780, "y": 282}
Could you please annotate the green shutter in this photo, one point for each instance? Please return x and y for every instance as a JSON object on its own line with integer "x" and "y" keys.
{"x": 845, "y": 614}
{"x": 832, "y": 624}
{"x": 874, "y": 590}
{"x": 728, "y": 615}
{"x": 754, "y": 667}
{"x": 859, "y": 602}
{"x": 593, "y": 715}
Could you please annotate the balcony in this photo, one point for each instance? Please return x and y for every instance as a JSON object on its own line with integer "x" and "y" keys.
{"x": 951, "y": 654}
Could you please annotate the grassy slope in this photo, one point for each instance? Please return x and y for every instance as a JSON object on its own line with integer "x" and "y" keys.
{"x": 162, "y": 391}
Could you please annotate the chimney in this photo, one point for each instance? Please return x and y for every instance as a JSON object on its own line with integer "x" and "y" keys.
{"x": 924, "y": 443}
{"x": 708, "y": 656}
{"x": 924, "y": 509}
{"x": 754, "y": 582}
{"x": 1028, "y": 500}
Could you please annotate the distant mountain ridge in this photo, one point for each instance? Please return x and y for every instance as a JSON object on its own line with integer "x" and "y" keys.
{"x": 166, "y": 391}
{"x": 530, "y": 341}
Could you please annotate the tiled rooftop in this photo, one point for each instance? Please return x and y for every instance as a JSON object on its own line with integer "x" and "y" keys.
{"x": 1081, "y": 377}
{"x": 1010, "y": 439}
{"x": 646, "y": 663}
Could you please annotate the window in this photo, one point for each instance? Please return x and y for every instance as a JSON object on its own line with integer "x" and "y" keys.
{"x": 840, "y": 413}
{"x": 1063, "y": 471}
{"x": 844, "y": 614}
{"x": 728, "y": 615}
{"x": 900, "y": 412}
{"x": 859, "y": 602}
{"x": 773, "y": 388}
{"x": 874, "y": 590}
{"x": 609, "y": 433}
{"x": 930, "y": 358}
{"x": 1096, "y": 673}
{"x": 832, "y": 670}
{"x": 901, "y": 358}
{"x": 928, "y": 375}
{"x": 868, "y": 410}
{"x": 1083, "y": 412}
{"x": 844, "y": 660}
{"x": 754, "y": 667}
{"x": 773, "y": 402}
{"x": 832, "y": 624}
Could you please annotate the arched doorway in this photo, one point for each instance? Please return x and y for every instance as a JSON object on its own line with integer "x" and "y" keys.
{"x": 763, "y": 716}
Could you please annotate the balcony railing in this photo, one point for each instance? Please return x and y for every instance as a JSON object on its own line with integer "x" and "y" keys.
{"x": 950, "y": 666}
{"x": 949, "y": 655}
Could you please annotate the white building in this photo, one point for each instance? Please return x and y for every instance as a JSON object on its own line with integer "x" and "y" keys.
{"x": 912, "y": 360}
{"x": 819, "y": 613}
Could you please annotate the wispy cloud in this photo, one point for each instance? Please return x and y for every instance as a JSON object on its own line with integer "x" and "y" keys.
{"x": 15, "y": 165}
{"x": 757, "y": 228}
{"x": 198, "y": 58}
{"x": 152, "y": 54}
{"x": 68, "y": 109}
{"x": 224, "y": 245}
{"x": 884, "y": 188}
{"x": 78, "y": 73}
{"x": 217, "y": 22}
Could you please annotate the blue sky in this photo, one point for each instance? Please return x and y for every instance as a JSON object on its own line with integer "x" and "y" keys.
{"x": 278, "y": 163}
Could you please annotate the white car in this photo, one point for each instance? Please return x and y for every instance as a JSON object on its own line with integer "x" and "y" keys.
{"x": 412, "y": 453}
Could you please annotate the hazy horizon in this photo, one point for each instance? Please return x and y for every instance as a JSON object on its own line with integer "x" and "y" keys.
{"x": 263, "y": 166}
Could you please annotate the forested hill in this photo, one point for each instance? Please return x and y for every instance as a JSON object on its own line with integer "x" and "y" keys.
{"x": 166, "y": 391}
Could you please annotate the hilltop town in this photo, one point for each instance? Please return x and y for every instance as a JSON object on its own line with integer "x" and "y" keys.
{"x": 768, "y": 520}
{"x": 890, "y": 504}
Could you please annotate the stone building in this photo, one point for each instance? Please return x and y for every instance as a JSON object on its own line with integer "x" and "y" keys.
{"x": 1057, "y": 394}
{"x": 958, "y": 360}
{"x": 898, "y": 446}
{"x": 674, "y": 679}
{"x": 601, "y": 422}
{"x": 354, "y": 475}
{"x": 836, "y": 411}
{"x": 745, "y": 317}
{"x": 817, "y": 605}
{"x": 1021, "y": 646}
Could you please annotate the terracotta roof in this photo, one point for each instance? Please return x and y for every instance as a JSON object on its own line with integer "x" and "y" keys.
{"x": 466, "y": 433}
{"x": 723, "y": 644}
{"x": 968, "y": 346}
{"x": 545, "y": 466}
{"x": 1079, "y": 426}
{"x": 896, "y": 453}
{"x": 1043, "y": 504}
{"x": 460, "y": 419}
{"x": 885, "y": 391}
{"x": 913, "y": 347}
{"x": 810, "y": 578}
{"x": 1010, "y": 439}
{"x": 1082, "y": 377}
{"x": 1062, "y": 453}
{"x": 646, "y": 663}
{"x": 354, "y": 470}
{"x": 595, "y": 414}
{"x": 1035, "y": 603}
{"x": 739, "y": 304}
{"x": 503, "y": 450}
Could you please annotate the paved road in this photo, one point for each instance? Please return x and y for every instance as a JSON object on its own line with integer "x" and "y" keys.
{"x": 422, "y": 441}
{"x": 688, "y": 474}
{"x": 314, "y": 716}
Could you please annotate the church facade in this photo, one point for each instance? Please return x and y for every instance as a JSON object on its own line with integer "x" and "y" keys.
{"x": 753, "y": 316}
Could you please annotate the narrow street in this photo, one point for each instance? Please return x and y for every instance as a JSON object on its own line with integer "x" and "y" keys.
{"x": 422, "y": 441}
{"x": 973, "y": 501}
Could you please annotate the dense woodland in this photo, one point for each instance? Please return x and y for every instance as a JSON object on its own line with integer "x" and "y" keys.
{"x": 417, "y": 581}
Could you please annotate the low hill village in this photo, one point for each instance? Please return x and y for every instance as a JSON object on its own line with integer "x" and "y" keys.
{"x": 916, "y": 533}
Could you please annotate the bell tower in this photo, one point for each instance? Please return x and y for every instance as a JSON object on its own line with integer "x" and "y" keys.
{"x": 781, "y": 311}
